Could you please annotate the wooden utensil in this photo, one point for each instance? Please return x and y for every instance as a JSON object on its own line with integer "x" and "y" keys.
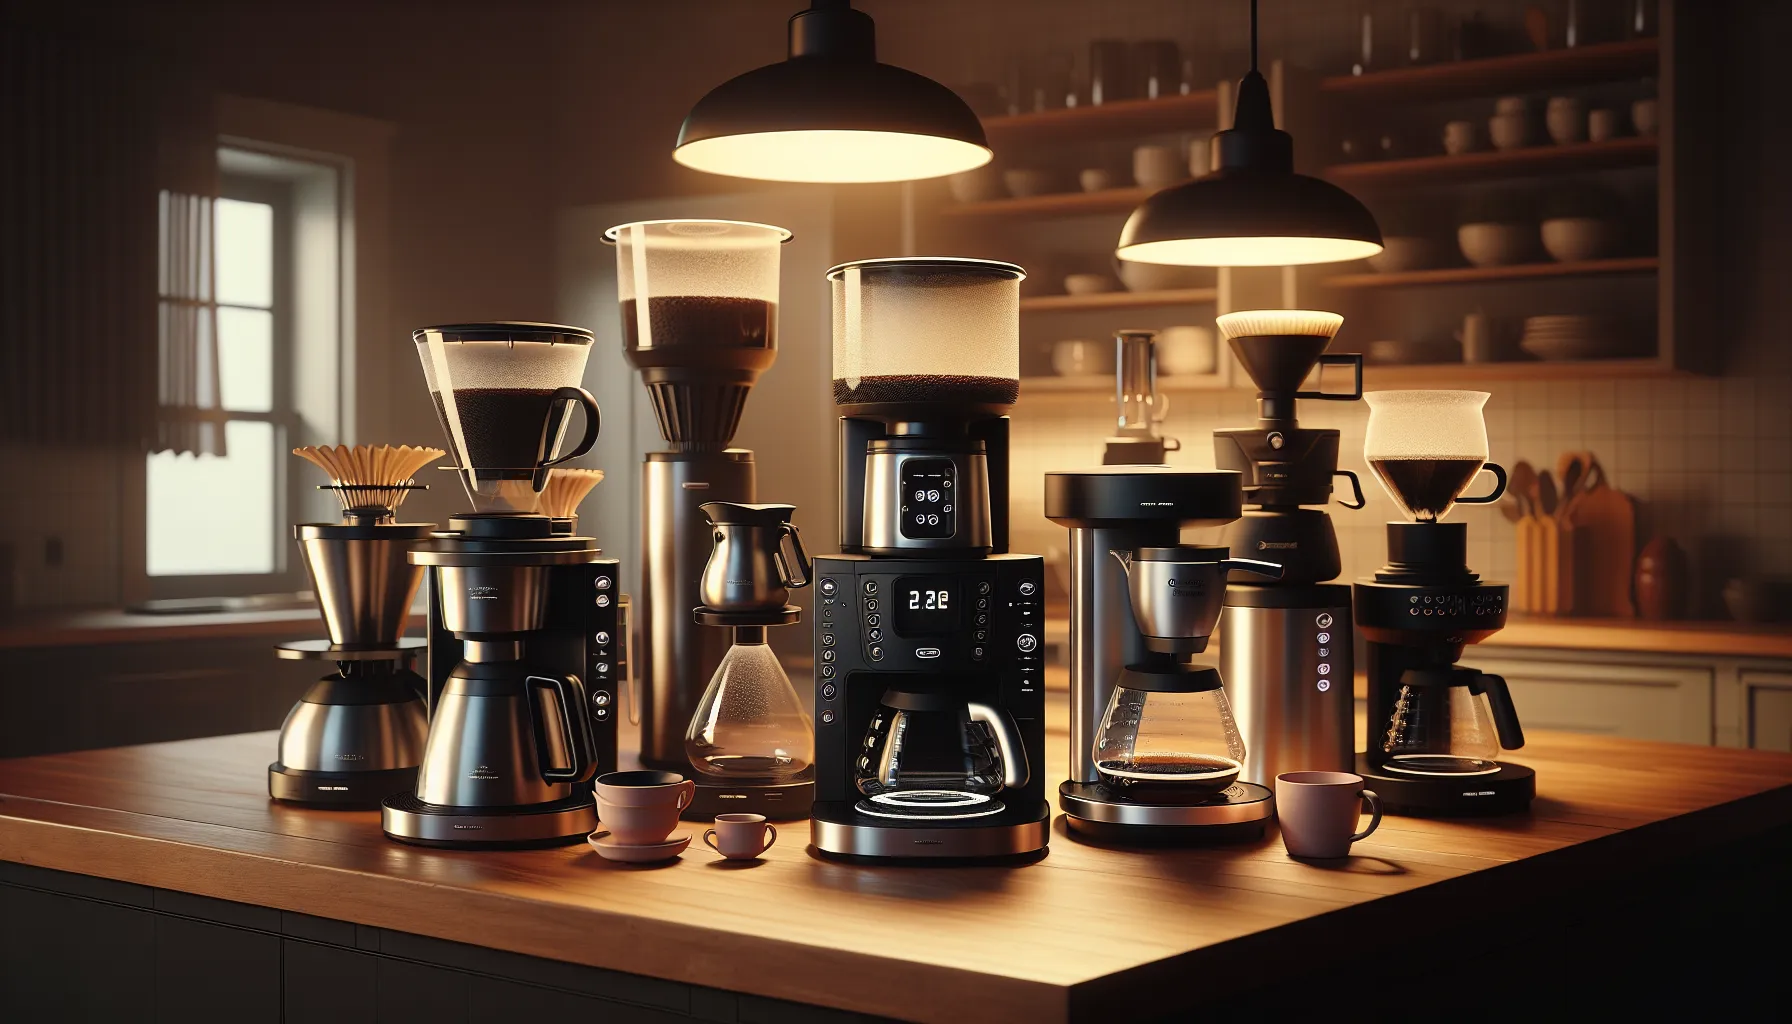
{"x": 1546, "y": 494}
{"x": 1604, "y": 520}
{"x": 1523, "y": 487}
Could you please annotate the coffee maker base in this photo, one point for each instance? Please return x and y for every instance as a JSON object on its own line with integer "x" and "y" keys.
{"x": 360, "y": 790}
{"x": 838, "y": 829}
{"x": 1507, "y": 791}
{"x": 778, "y": 801}
{"x": 410, "y": 820}
{"x": 1092, "y": 811}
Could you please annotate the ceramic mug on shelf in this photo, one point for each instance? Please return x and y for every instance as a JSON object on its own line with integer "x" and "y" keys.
{"x": 642, "y": 807}
{"x": 1095, "y": 179}
{"x": 1459, "y": 137}
{"x": 1156, "y": 167}
{"x": 1567, "y": 120}
{"x": 1319, "y": 811}
{"x": 741, "y": 836}
{"x": 1602, "y": 125}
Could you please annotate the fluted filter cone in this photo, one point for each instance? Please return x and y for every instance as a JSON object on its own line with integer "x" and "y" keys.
{"x": 370, "y": 478}
{"x": 1278, "y": 347}
{"x": 566, "y": 488}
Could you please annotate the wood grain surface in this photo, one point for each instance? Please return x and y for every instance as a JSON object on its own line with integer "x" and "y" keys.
{"x": 1042, "y": 942}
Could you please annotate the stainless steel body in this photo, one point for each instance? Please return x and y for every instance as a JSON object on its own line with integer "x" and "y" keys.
{"x": 747, "y": 570}
{"x": 1103, "y": 636}
{"x": 1089, "y": 806}
{"x": 676, "y": 657}
{"x": 363, "y": 581}
{"x": 358, "y": 733}
{"x": 485, "y": 747}
{"x": 328, "y": 737}
{"x": 1004, "y": 839}
{"x": 493, "y": 600}
{"x": 920, "y": 502}
{"x": 1178, "y": 599}
{"x": 1289, "y": 674}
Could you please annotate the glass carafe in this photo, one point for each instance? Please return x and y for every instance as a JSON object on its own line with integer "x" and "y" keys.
{"x": 1169, "y": 737}
{"x": 504, "y": 393}
{"x": 1450, "y": 722}
{"x": 930, "y": 754}
{"x": 750, "y": 725}
{"x": 1425, "y": 447}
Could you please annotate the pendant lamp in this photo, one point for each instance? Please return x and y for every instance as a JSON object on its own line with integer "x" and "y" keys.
{"x": 832, "y": 113}
{"x": 1252, "y": 210}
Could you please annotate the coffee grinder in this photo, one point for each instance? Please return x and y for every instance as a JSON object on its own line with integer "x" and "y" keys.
{"x": 524, "y": 620}
{"x": 1286, "y": 648}
{"x": 1435, "y": 728}
{"x": 699, "y": 305}
{"x": 357, "y": 735}
{"x": 1136, "y": 440}
{"x": 929, "y": 688}
{"x": 1142, "y": 605}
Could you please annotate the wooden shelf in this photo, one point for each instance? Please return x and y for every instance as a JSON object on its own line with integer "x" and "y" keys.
{"x": 1512, "y": 163}
{"x": 1118, "y": 300}
{"x": 1477, "y": 275}
{"x": 1103, "y": 384}
{"x": 1519, "y": 72}
{"x": 1731, "y": 639}
{"x": 1197, "y": 110}
{"x": 1054, "y": 204}
{"x": 1454, "y": 374}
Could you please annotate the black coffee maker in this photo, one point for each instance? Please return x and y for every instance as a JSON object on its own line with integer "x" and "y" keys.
{"x": 1286, "y": 645}
{"x": 929, "y": 689}
{"x": 1435, "y": 728}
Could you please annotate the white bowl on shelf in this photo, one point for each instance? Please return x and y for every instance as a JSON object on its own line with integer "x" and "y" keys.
{"x": 1023, "y": 182}
{"x": 1160, "y": 277}
{"x": 1401, "y": 253}
{"x": 1088, "y": 284}
{"x": 979, "y": 185}
{"x": 1572, "y": 239}
{"x": 1186, "y": 351}
{"x": 1496, "y": 245}
{"x": 1077, "y": 358}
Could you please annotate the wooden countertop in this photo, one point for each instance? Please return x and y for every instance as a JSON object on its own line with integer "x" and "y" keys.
{"x": 1041, "y": 942}
{"x": 117, "y": 626}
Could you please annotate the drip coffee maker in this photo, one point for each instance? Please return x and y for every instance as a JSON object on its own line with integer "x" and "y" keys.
{"x": 357, "y": 735}
{"x": 1136, "y": 440}
{"x": 1435, "y": 727}
{"x": 1286, "y": 647}
{"x": 700, "y": 324}
{"x": 929, "y": 697}
{"x": 524, "y": 619}
{"x": 1151, "y": 734}
{"x": 750, "y": 742}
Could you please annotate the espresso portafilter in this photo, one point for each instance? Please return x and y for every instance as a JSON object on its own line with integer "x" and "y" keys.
{"x": 357, "y": 735}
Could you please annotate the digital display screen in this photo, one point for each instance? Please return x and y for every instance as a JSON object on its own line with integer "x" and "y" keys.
{"x": 926, "y": 604}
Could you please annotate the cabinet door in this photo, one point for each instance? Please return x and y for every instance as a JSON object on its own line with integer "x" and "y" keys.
{"x": 1635, "y": 701}
{"x": 1767, "y": 697}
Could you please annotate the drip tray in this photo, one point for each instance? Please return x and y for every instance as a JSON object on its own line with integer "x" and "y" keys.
{"x": 1098, "y": 811}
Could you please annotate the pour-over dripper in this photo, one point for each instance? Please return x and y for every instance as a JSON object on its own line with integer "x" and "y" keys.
{"x": 1278, "y": 348}
{"x": 504, "y": 393}
{"x": 1426, "y": 446}
{"x": 699, "y": 318}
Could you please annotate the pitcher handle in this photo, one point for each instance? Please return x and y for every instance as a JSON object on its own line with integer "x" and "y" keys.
{"x": 593, "y": 421}
{"x": 1351, "y": 359}
{"x": 802, "y": 558}
{"x": 1356, "y": 487}
{"x": 1505, "y": 716}
{"x": 1271, "y": 569}
{"x": 1499, "y": 488}
{"x": 574, "y": 727}
{"x": 1008, "y": 741}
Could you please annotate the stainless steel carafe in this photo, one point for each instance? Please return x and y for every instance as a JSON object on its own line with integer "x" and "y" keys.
{"x": 502, "y": 737}
{"x": 748, "y": 569}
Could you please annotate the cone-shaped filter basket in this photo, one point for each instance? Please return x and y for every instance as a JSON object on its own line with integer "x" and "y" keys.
{"x": 566, "y": 488}
{"x": 1278, "y": 347}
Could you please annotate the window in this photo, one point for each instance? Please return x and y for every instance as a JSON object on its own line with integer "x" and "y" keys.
{"x": 222, "y": 525}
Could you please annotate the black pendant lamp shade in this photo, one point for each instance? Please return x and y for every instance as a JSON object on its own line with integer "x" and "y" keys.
{"x": 1252, "y": 210}
{"x": 832, "y": 113}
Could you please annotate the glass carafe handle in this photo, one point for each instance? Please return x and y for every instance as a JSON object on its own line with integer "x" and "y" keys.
{"x": 1356, "y": 487}
{"x": 1505, "y": 716}
{"x": 802, "y": 558}
{"x": 1499, "y": 488}
{"x": 593, "y": 421}
{"x": 1350, "y": 359}
{"x": 1008, "y": 741}
{"x": 576, "y": 729}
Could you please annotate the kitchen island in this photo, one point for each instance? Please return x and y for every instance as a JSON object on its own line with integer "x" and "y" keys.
{"x": 167, "y": 864}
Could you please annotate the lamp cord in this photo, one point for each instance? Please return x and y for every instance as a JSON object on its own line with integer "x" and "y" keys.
{"x": 1253, "y": 35}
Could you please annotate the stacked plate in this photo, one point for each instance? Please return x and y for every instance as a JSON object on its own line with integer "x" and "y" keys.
{"x": 1575, "y": 337}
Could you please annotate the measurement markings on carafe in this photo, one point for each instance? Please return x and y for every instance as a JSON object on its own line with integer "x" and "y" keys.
{"x": 928, "y": 503}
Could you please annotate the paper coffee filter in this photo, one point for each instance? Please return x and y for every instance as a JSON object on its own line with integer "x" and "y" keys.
{"x": 566, "y": 488}
{"x": 369, "y": 465}
{"x": 1256, "y": 323}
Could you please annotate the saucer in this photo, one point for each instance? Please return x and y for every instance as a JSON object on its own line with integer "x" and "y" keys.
{"x": 609, "y": 849}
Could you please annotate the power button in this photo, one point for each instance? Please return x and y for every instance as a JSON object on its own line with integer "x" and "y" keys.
{"x": 1324, "y": 621}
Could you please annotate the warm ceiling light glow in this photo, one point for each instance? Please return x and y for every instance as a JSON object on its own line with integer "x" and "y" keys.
{"x": 832, "y": 155}
{"x": 1262, "y": 251}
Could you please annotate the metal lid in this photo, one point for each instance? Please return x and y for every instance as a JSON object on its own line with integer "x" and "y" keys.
{"x": 938, "y": 264}
{"x": 506, "y": 330}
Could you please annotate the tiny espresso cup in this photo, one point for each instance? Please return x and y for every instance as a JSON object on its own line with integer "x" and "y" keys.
{"x": 640, "y": 808}
{"x": 1319, "y": 811}
{"x": 740, "y": 836}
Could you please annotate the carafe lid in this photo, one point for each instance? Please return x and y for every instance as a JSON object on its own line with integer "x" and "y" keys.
{"x": 735, "y": 513}
{"x": 1182, "y": 553}
{"x": 1185, "y": 679}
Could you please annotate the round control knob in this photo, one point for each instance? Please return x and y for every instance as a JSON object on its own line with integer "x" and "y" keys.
{"x": 602, "y": 638}
{"x": 603, "y": 600}
{"x": 603, "y": 583}
{"x": 601, "y": 698}
{"x": 829, "y": 588}
{"x": 1027, "y": 589}
{"x": 1026, "y": 641}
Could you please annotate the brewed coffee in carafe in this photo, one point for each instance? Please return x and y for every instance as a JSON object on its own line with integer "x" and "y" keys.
{"x": 1426, "y": 446}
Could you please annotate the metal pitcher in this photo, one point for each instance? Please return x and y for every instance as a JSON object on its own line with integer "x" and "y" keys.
{"x": 749, "y": 568}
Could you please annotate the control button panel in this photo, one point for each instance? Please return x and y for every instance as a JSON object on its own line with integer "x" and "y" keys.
{"x": 1025, "y": 692}
{"x": 928, "y": 502}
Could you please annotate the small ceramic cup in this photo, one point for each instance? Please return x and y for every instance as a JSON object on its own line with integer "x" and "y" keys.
{"x": 1567, "y": 120}
{"x": 1602, "y": 125}
{"x": 1459, "y": 137}
{"x": 740, "y": 836}
{"x": 1509, "y": 131}
{"x": 1642, "y": 117}
{"x": 642, "y": 807}
{"x": 1095, "y": 179}
{"x": 1319, "y": 811}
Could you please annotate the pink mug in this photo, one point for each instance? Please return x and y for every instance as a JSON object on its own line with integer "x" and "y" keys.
{"x": 640, "y": 808}
{"x": 1319, "y": 812}
{"x": 740, "y": 836}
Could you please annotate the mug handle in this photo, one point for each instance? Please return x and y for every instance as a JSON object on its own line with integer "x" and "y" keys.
{"x": 593, "y": 421}
{"x": 773, "y": 831}
{"x": 687, "y": 791}
{"x": 709, "y": 840}
{"x": 1499, "y": 488}
{"x": 1374, "y": 803}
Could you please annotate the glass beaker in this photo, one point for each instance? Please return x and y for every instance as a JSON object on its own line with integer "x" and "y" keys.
{"x": 1425, "y": 447}
{"x": 1169, "y": 737}
{"x": 750, "y": 725}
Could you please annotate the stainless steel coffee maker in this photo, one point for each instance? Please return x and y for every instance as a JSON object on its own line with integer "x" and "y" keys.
{"x": 525, "y": 627}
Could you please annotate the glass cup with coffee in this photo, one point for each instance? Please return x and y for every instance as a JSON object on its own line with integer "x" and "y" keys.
{"x": 1426, "y": 446}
